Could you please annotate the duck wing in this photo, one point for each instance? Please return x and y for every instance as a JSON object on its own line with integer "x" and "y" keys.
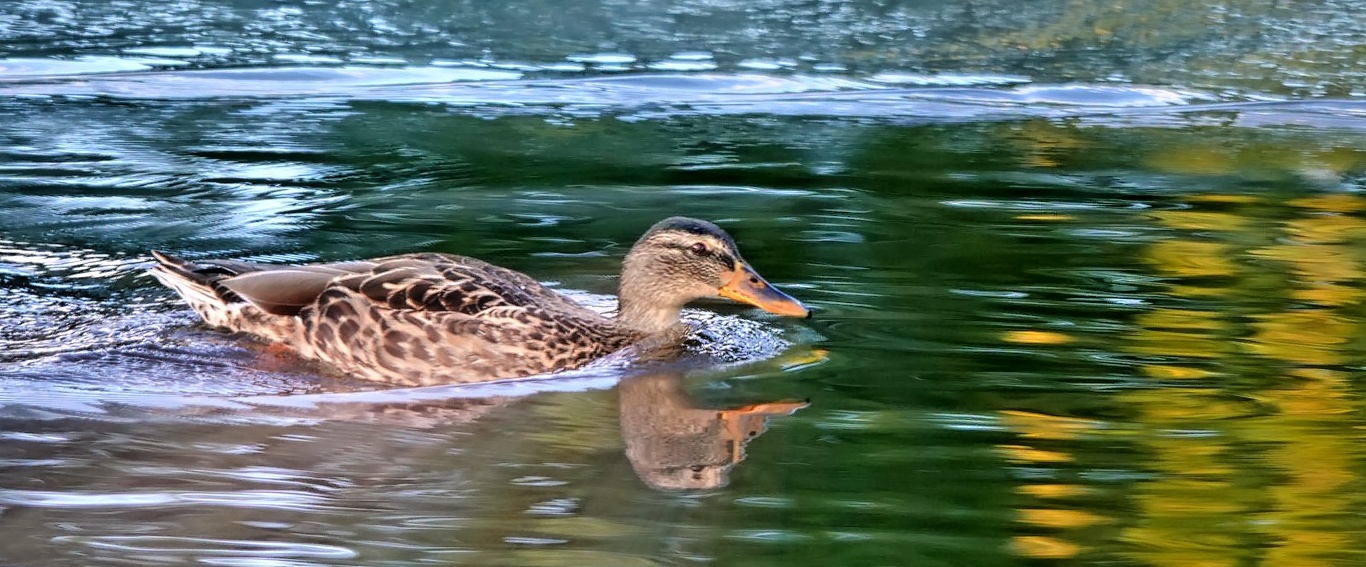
{"x": 413, "y": 282}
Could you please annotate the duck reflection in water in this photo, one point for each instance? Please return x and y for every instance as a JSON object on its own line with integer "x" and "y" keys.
{"x": 675, "y": 445}
{"x": 671, "y": 442}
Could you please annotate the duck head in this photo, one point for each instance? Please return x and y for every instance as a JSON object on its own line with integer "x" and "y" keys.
{"x": 680, "y": 260}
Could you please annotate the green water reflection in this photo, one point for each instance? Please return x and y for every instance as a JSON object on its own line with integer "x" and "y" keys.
{"x": 1102, "y": 339}
{"x": 1088, "y": 280}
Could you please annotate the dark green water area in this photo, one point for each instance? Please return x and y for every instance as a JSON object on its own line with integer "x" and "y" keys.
{"x": 1089, "y": 280}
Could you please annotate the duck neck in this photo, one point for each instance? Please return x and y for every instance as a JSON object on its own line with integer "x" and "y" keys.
{"x": 642, "y": 305}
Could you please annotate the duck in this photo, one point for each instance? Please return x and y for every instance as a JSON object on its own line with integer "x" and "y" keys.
{"x": 432, "y": 318}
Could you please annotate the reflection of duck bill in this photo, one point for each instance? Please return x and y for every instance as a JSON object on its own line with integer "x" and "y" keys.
{"x": 771, "y": 408}
{"x": 742, "y": 424}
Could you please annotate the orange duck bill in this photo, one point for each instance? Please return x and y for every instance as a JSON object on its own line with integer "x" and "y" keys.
{"x": 747, "y": 286}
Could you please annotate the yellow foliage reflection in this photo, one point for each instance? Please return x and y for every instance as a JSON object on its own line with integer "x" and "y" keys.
{"x": 1040, "y": 547}
{"x": 1170, "y": 372}
{"x": 1039, "y": 426}
{"x": 1045, "y": 143}
{"x": 1200, "y": 220}
{"x": 1252, "y": 468}
{"x": 1036, "y": 338}
{"x": 1052, "y": 490}
{"x": 1191, "y": 258}
{"x": 1249, "y": 439}
{"x": 1304, "y": 337}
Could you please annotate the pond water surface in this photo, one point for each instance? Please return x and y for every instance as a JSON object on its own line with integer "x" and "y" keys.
{"x": 1089, "y": 284}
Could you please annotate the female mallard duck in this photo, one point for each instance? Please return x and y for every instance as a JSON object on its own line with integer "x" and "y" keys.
{"x": 423, "y": 319}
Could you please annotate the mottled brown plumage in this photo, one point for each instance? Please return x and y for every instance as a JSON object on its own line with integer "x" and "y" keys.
{"x": 422, "y": 319}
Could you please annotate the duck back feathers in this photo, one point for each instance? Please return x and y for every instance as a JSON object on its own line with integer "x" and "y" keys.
{"x": 415, "y": 319}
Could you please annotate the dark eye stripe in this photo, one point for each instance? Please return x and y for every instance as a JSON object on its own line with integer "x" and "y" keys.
{"x": 721, "y": 256}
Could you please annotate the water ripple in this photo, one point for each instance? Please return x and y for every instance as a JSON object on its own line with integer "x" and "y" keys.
{"x": 210, "y": 547}
{"x": 651, "y": 95}
{"x": 256, "y": 499}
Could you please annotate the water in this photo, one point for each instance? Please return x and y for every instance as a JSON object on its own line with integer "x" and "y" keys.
{"x": 1088, "y": 281}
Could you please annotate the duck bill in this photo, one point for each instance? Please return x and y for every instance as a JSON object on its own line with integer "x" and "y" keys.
{"x": 747, "y": 286}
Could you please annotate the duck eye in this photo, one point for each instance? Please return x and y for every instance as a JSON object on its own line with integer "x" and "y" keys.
{"x": 698, "y": 248}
